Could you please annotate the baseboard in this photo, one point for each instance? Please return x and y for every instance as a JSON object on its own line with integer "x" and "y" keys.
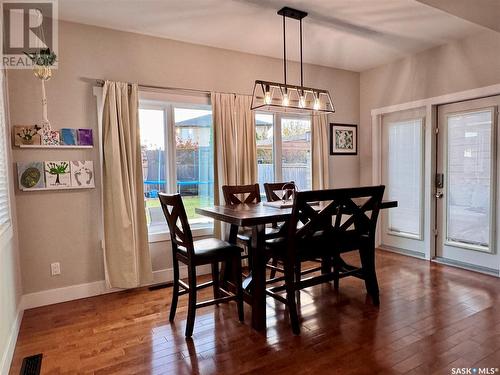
{"x": 73, "y": 292}
{"x": 8, "y": 352}
{"x": 397, "y": 250}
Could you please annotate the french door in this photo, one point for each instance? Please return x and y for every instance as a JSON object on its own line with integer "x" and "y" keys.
{"x": 403, "y": 175}
{"x": 466, "y": 184}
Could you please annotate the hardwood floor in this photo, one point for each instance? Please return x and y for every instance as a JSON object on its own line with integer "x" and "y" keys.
{"x": 431, "y": 318}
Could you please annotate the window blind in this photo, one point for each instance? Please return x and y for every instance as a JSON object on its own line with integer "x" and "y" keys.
{"x": 4, "y": 170}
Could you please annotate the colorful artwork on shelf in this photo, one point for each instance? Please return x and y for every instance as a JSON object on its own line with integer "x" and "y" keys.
{"x": 82, "y": 173}
{"x": 26, "y": 135}
{"x": 49, "y": 137}
{"x": 57, "y": 174}
{"x": 85, "y": 137}
{"x": 31, "y": 175}
{"x": 68, "y": 136}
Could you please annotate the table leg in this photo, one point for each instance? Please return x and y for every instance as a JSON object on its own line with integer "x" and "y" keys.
{"x": 226, "y": 272}
{"x": 258, "y": 278}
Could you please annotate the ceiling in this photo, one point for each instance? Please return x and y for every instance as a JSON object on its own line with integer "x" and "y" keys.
{"x": 347, "y": 34}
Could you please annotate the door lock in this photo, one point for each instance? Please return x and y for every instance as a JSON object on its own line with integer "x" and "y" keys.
{"x": 439, "y": 194}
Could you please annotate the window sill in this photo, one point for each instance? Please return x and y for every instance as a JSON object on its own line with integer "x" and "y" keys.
{"x": 165, "y": 236}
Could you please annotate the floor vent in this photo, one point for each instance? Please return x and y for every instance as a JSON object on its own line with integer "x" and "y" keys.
{"x": 31, "y": 365}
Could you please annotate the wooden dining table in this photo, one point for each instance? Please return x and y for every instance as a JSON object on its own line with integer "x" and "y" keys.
{"x": 256, "y": 216}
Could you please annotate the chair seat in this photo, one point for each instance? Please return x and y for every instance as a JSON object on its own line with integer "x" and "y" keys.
{"x": 318, "y": 246}
{"x": 245, "y": 234}
{"x": 212, "y": 249}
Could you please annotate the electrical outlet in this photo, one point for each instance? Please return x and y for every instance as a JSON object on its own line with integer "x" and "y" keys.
{"x": 55, "y": 269}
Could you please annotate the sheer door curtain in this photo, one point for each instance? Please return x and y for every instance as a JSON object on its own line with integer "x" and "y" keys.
{"x": 126, "y": 248}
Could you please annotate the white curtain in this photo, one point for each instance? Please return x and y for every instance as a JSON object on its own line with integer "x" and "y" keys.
{"x": 320, "y": 152}
{"x": 234, "y": 142}
{"x": 126, "y": 255}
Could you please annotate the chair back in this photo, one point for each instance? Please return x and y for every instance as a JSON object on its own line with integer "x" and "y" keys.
{"x": 285, "y": 189}
{"x": 178, "y": 225}
{"x": 352, "y": 211}
{"x": 241, "y": 194}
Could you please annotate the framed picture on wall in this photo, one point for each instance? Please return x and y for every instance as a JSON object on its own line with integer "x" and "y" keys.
{"x": 343, "y": 139}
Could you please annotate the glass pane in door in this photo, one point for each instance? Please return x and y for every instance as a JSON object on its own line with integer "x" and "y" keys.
{"x": 469, "y": 161}
{"x": 404, "y": 176}
{"x": 296, "y": 151}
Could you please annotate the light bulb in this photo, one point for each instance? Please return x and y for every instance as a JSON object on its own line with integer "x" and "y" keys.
{"x": 285, "y": 101}
{"x": 267, "y": 95}
{"x": 267, "y": 98}
{"x": 316, "y": 105}
{"x": 302, "y": 101}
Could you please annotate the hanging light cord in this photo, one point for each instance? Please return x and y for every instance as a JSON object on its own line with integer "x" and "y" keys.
{"x": 301, "y": 65}
{"x": 284, "y": 47}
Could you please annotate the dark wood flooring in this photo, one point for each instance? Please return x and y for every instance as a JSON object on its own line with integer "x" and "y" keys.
{"x": 431, "y": 319}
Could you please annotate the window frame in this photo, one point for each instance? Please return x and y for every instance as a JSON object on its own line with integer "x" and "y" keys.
{"x": 278, "y": 142}
{"x": 168, "y": 107}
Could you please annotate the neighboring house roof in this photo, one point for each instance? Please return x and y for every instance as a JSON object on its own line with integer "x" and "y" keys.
{"x": 205, "y": 121}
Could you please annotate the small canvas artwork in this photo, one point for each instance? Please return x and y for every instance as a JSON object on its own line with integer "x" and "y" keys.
{"x": 31, "y": 175}
{"x": 26, "y": 135}
{"x": 85, "y": 137}
{"x": 57, "y": 174}
{"x": 49, "y": 137}
{"x": 82, "y": 173}
{"x": 343, "y": 139}
{"x": 68, "y": 136}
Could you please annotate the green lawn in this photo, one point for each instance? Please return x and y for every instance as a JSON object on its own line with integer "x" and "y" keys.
{"x": 190, "y": 203}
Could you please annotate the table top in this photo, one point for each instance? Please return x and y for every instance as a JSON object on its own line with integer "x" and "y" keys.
{"x": 255, "y": 214}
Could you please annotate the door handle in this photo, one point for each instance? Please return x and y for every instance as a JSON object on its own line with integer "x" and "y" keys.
{"x": 439, "y": 194}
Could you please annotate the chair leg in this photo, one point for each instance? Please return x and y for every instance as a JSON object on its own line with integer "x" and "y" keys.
{"x": 367, "y": 255}
{"x": 336, "y": 271}
{"x": 290, "y": 297}
{"x": 298, "y": 270}
{"x": 175, "y": 290}
{"x": 192, "y": 300}
{"x": 215, "y": 279}
{"x": 273, "y": 271}
{"x": 239, "y": 287}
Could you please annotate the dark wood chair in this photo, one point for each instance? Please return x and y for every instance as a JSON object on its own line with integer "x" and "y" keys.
{"x": 244, "y": 194}
{"x": 277, "y": 191}
{"x": 346, "y": 220}
{"x": 197, "y": 253}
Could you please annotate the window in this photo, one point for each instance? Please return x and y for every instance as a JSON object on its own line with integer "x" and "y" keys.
{"x": 404, "y": 176}
{"x": 177, "y": 154}
{"x": 284, "y": 149}
{"x": 4, "y": 185}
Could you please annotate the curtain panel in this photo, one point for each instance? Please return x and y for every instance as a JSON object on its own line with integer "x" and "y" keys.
{"x": 234, "y": 143}
{"x": 320, "y": 152}
{"x": 126, "y": 248}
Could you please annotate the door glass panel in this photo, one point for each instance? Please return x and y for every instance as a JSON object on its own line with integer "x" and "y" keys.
{"x": 296, "y": 151}
{"x": 404, "y": 175}
{"x": 265, "y": 142}
{"x": 469, "y": 178}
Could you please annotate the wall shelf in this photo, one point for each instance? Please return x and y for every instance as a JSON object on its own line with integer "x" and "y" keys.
{"x": 55, "y": 147}
{"x": 58, "y": 188}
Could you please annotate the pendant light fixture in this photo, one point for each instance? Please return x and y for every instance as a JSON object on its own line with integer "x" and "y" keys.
{"x": 283, "y": 97}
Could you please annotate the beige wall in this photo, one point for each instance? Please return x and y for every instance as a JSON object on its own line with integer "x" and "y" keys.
{"x": 10, "y": 282}
{"x": 466, "y": 64}
{"x": 63, "y": 226}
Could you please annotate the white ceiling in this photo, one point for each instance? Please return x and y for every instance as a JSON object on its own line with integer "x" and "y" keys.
{"x": 348, "y": 34}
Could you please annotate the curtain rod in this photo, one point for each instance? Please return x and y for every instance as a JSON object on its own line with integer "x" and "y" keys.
{"x": 100, "y": 82}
